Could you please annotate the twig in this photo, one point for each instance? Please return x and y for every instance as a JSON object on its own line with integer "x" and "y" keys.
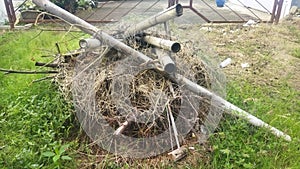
{"x": 97, "y": 59}
{"x": 45, "y": 56}
{"x": 74, "y": 54}
{"x": 59, "y": 30}
{"x": 7, "y": 71}
{"x": 121, "y": 128}
{"x": 36, "y": 36}
{"x": 44, "y": 78}
{"x": 169, "y": 111}
{"x": 58, "y": 48}
{"x": 52, "y": 65}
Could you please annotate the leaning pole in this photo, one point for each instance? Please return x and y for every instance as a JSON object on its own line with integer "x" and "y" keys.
{"x": 112, "y": 42}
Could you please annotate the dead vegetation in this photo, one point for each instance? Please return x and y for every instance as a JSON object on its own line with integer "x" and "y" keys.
{"x": 110, "y": 88}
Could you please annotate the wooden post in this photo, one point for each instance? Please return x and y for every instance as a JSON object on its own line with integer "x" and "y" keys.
{"x": 276, "y": 12}
{"x": 10, "y": 13}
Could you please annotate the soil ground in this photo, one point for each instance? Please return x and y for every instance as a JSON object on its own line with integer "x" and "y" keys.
{"x": 269, "y": 53}
{"x": 268, "y": 50}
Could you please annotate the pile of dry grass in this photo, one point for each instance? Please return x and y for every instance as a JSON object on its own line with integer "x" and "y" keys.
{"x": 111, "y": 89}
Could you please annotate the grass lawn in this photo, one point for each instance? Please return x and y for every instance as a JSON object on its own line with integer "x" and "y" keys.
{"x": 35, "y": 119}
{"x": 39, "y": 129}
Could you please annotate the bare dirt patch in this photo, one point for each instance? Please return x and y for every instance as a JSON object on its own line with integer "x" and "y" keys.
{"x": 264, "y": 49}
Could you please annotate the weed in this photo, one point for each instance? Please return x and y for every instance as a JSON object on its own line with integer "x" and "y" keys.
{"x": 295, "y": 32}
{"x": 238, "y": 144}
{"x": 35, "y": 118}
{"x": 57, "y": 154}
{"x": 296, "y": 53}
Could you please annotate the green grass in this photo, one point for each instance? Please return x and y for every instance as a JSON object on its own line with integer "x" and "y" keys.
{"x": 238, "y": 144}
{"x": 296, "y": 53}
{"x": 39, "y": 130}
{"x": 35, "y": 118}
{"x": 294, "y": 30}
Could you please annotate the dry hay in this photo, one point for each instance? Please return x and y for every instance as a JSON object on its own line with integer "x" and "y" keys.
{"x": 110, "y": 88}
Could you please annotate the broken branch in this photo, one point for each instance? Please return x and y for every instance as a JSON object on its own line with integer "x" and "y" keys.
{"x": 52, "y": 65}
{"x": 7, "y": 71}
{"x": 44, "y": 78}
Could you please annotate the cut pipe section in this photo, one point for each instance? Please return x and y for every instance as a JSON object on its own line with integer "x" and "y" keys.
{"x": 166, "y": 61}
{"x": 164, "y": 16}
{"x": 163, "y": 43}
{"x": 89, "y": 43}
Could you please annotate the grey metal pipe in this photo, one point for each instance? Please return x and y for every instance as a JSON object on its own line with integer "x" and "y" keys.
{"x": 164, "y": 58}
{"x": 170, "y": 13}
{"x": 234, "y": 110}
{"x": 162, "y": 43}
{"x": 102, "y": 36}
{"x": 90, "y": 29}
{"x": 89, "y": 43}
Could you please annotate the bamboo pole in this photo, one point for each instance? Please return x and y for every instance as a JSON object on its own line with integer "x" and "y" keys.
{"x": 102, "y": 36}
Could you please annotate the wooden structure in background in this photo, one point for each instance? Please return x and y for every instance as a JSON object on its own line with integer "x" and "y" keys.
{"x": 10, "y": 13}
